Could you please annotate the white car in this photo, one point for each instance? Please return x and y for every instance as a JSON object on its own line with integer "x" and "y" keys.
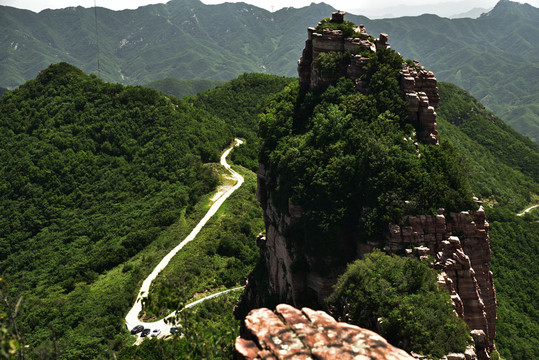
{"x": 156, "y": 332}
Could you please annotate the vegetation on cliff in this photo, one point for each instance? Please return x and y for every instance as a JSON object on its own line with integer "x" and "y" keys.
{"x": 306, "y": 136}
{"x": 66, "y": 131}
{"x": 349, "y": 159}
{"x": 348, "y": 28}
{"x": 398, "y": 297}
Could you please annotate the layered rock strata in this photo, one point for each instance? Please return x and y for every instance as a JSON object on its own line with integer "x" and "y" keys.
{"x": 420, "y": 89}
{"x": 460, "y": 245}
{"x": 288, "y": 333}
{"x": 458, "y": 242}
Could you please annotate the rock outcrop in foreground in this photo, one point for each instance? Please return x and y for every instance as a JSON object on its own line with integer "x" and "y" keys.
{"x": 289, "y": 333}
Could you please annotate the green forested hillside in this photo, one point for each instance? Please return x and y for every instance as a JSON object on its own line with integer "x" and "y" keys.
{"x": 504, "y": 173}
{"x": 91, "y": 176}
{"x": 504, "y": 165}
{"x": 99, "y": 180}
{"x": 181, "y": 88}
{"x": 182, "y": 39}
{"x": 239, "y": 102}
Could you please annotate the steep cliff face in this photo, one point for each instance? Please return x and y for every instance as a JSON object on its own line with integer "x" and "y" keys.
{"x": 460, "y": 244}
{"x": 289, "y": 269}
{"x": 292, "y": 272}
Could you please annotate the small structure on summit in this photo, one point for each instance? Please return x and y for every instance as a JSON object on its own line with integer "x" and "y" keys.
{"x": 338, "y": 48}
{"x": 338, "y": 36}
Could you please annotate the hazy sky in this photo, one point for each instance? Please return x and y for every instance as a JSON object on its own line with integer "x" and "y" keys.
{"x": 371, "y": 6}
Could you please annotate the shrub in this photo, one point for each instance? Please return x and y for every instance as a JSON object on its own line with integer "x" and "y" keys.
{"x": 331, "y": 63}
{"x": 398, "y": 297}
{"x": 347, "y": 27}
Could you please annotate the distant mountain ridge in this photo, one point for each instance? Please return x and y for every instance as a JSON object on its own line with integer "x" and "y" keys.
{"x": 493, "y": 56}
{"x": 473, "y": 13}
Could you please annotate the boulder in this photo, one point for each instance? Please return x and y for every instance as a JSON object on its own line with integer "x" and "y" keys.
{"x": 289, "y": 333}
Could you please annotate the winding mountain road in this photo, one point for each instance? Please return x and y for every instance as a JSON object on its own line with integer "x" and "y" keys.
{"x": 527, "y": 210}
{"x": 131, "y": 319}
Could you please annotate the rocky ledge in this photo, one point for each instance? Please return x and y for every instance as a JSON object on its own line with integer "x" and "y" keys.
{"x": 289, "y": 333}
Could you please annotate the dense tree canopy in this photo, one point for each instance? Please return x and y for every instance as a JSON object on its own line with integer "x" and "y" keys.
{"x": 399, "y": 297}
{"x": 349, "y": 159}
{"x": 99, "y": 180}
{"x": 92, "y": 175}
{"x": 95, "y": 169}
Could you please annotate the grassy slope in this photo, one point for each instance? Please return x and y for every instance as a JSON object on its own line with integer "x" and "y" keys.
{"x": 222, "y": 255}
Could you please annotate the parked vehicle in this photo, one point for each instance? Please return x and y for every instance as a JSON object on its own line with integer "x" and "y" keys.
{"x": 155, "y": 332}
{"x": 137, "y": 329}
{"x": 175, "y": 330}
{"x": 145, "y": 332}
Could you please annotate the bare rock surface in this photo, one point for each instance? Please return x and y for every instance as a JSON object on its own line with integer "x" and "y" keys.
{"x": 289, "y": 333}
{"x": 461, "y": 246}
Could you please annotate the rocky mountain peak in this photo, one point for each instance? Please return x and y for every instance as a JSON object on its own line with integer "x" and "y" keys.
{"x": 348, "y": 46}
{"x": 294, "y": 268}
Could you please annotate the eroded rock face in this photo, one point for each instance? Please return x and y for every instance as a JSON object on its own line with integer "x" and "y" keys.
{"x": 289, "y": 270}
{"x": 458, "y": 242}
{"x": 288, "y": 333}
{"x": 420, "y": 89}
{"x": 461, "y": 246}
